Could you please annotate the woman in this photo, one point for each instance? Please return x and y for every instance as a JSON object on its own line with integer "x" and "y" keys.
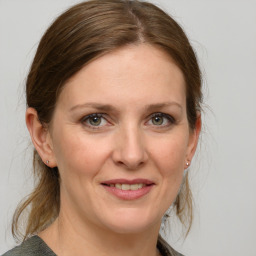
{"x": 113, "y": 98}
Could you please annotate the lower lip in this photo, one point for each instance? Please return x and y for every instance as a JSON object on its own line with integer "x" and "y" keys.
{"x": 129, "y": 194}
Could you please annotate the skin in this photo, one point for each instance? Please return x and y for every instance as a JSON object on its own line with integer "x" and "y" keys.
{"x": 135, "y": 82}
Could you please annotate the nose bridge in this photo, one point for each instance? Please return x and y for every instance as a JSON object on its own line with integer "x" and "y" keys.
{"x": 130, "y": 150}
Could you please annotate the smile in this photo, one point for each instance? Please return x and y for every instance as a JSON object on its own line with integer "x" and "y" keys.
{"x": 128, "y": 189}
{"x": 127, "y": 186}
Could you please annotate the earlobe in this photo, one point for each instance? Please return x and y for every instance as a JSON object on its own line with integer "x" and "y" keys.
{"x": 40, "y": 137}
{"x": 193, "y": 140}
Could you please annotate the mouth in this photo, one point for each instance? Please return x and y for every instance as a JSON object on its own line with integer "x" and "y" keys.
{"x": 126, "y": 186}
{"x": 128, "y": 189}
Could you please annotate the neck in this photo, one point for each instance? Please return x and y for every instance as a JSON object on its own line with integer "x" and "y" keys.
{"x": 68, "y": 237}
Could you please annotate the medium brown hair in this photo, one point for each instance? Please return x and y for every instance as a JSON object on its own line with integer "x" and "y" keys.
{"x": 83, "y": 33}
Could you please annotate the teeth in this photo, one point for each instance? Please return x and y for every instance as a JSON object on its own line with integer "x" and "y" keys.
{"x": 128, "y": 186}
{"x": 118, "y": 186}
{"x": 134, "y": 186}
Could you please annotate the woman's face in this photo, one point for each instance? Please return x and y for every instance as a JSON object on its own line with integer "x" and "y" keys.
{"x": 121, "y": 139}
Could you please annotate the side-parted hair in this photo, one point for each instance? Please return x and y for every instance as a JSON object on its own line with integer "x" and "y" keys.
{"x": 83, "y": 33}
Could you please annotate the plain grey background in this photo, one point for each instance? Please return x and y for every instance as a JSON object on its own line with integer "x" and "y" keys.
{"x": 223, "y": 34}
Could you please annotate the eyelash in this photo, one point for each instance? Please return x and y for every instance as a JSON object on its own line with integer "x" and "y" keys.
{"x": 87, "y": 118}
{"x": 169, "y": 118}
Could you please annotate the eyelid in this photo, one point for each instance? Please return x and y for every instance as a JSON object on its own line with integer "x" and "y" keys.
{"x": 170, "y": 118}
{"x": 100, "y": 115}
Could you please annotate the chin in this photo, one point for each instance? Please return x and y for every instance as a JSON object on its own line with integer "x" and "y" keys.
{"x": 129, "y": 228}
{"x": 128, "y": 223}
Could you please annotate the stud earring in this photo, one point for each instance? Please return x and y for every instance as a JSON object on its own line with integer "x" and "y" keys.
{"x": 47, "y": 162}
{"x": 187, "y": 164}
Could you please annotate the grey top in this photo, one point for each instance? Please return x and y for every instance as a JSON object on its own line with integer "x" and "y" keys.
{"x": 35, "y": 246}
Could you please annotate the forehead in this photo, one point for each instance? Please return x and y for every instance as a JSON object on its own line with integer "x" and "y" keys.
{"x": 131, "y": 74}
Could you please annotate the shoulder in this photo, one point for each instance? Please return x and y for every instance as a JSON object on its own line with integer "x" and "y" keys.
{"x": 33, "y": 246}
{"x": 165, "y": 248}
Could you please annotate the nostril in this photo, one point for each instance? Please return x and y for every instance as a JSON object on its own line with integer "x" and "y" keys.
{"x": 130, "y": 155}
{"x": 129, "y": 165}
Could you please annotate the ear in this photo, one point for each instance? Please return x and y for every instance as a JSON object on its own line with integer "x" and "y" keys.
{"x": 193, "y": 140}
{"x": 40, "y": 137}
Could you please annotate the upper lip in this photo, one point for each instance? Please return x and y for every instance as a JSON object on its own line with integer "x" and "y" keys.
{"x": 126, "y": 181}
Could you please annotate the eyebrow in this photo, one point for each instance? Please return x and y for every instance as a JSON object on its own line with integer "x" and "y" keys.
{"x": 108, "y": 107}
{"x": 98, "y": 106}
{"x": 162, "y": 105}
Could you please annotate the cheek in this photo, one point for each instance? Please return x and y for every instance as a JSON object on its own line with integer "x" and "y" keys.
{"x": 170, "y": 155}
{"x": 79, "y": 153}
{"x": 169, "y": 158}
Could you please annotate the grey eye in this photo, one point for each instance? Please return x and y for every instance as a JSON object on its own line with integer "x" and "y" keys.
{"x": 95, "y": 120}
{"x": 161, "y": 119}
{"x": 157, "y": 120}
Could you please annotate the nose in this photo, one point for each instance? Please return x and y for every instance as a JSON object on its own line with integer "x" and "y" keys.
{"x": 130, "y": 149}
